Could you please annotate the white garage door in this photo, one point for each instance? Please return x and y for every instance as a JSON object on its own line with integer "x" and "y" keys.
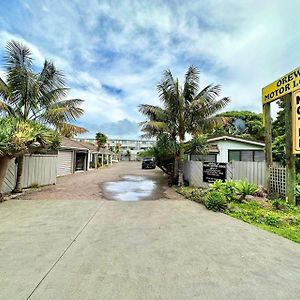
{"x": 64, "y": 164}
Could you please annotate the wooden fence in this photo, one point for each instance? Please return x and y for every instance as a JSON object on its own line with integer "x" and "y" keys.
{"x": 38, "y": 169}
{"x": 254, "y": 172}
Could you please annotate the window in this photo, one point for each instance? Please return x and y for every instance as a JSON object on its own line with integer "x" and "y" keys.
{"x": 246, "y": 155}
{"x": 234, "y": 155}
{"x": 259, "y": 155}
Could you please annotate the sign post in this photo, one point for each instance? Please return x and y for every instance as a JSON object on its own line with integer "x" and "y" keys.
{"x": 285, "y": 88}
{"x": 290, "y": 157}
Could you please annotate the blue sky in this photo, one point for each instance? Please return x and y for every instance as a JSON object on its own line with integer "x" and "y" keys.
{"x": 114, "y": 52}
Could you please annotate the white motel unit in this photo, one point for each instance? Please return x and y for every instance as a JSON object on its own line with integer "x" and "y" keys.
{"x": 228, "y": 149}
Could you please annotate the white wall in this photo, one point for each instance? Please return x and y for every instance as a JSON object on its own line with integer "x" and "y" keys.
{"x": 38, "y": 169}
{"x": 225, "y": 145}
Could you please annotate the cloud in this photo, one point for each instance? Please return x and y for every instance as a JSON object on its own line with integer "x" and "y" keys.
{"x": 122, "y": 128}
{"x": 114, "y": 52}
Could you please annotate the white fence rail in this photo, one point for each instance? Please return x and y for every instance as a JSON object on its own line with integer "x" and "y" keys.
{"x": 38, "y": 169}
{"x": 254, "y": 172}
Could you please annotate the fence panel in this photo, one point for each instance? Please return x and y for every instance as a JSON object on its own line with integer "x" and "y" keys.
{"x": 195, "y": 173}
{"x": 10, "y": 178}
{"x": 277, "y": 179}
{"x": 254, "y": 172}
{"x": 38, "y": 169}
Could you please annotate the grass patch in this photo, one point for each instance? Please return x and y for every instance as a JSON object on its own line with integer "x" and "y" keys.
{"x": 284, "y": 221}
{"x": 275, "y": 216}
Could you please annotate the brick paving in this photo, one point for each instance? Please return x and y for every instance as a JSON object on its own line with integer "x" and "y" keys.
{"x": 87, "y": 185}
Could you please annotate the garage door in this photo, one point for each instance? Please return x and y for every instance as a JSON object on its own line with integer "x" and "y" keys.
{"x": 64, "y": 164}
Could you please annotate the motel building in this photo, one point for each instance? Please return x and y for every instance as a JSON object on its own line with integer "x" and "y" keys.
{"x": 227, "y": 149}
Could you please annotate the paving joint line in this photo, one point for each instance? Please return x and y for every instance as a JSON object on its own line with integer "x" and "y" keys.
{"x": 66, "y": 249}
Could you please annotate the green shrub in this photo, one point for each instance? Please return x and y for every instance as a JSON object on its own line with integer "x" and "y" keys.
{"x": 272, "y": 220}
{"x": 228, "y": 188}
{"x": 215, "y": 201}
{"x": 245, "y": 188}
{"x": 217, "y": 185}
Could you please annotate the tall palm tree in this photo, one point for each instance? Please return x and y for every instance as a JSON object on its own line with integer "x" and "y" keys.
{"x": 185, "y": 110}
{"x": 38, "y": 97}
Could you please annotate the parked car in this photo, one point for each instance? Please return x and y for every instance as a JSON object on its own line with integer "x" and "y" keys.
{"x": 148, "y": 163}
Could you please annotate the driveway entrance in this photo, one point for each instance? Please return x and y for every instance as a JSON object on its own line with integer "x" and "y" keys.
{"x": 164, "y": 249}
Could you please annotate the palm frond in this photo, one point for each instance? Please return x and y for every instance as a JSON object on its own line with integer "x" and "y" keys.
{"x": 63, "y": 111}
{"x": 6, "y": 109}
{"x": 18, "y": 56}
{"x": 191, "y": 84}
{"x": 69, "y": 130}
{"x": 154, "y": 113}
{"x": 50, "y": 79}
{"x": 153, "y": 128}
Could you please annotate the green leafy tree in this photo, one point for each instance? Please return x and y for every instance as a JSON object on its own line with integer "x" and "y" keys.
{"x": 101, "y": 140}
{"x": 38, "y": 97}
{"x": 254, "y": 128}
{"x": 18, "y": 137}
{"x": 184, "y": 110}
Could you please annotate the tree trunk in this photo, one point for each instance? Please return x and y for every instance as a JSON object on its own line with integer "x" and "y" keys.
{"x": 175, "y": 170}
{"x": 181, "y": 160}
{"x": 4, "y": 160}
{"x": 18, "y": 188}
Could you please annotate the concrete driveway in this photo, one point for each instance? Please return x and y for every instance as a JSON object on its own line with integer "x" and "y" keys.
{"x": 171, "y": 249}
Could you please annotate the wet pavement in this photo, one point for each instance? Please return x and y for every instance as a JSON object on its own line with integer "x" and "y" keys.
{"x": 132, "y": 184}
{"x": 131, "y": 188}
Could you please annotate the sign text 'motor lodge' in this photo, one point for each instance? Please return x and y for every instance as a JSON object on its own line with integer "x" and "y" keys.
{"x": 284, "y": 85}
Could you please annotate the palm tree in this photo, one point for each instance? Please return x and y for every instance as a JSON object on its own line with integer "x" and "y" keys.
{"x": 38, "y": 97}
{"x": 18, "y": 137}
{"x": 185, "y": 110}
{"x": 101, "y": 139}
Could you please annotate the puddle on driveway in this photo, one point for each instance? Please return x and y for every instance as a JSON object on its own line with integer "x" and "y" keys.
{"x": 130, "y": 188}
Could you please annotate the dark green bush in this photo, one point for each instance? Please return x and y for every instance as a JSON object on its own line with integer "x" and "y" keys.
{"x": 228, "y": 188}
{"x": 245, "y": 188}
{"x": 215, "y": 201}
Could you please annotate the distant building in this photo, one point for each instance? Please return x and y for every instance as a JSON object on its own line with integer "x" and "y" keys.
{"x": 133, "y": 145}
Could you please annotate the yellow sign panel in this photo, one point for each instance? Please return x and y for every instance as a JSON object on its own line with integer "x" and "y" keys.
{"x": 282, "y": 86}
{"x": 296, "y": 121}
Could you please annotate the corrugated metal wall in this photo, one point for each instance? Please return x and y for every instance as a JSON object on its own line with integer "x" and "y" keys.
{"x": 37, "y": 170}
{"x": 254, "y": 172}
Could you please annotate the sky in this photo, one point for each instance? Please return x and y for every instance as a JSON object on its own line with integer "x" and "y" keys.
{"x": 113, "y": 53}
